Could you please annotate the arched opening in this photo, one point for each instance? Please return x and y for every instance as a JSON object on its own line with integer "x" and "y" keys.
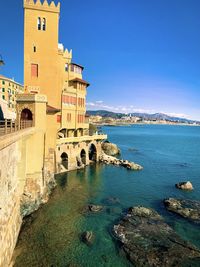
{"x": 92, "y": 152}
{"x": 65, "y": 161}
{"x": 62, "y": 133}
{"x": 44, "y": 24}
{"x": 76, "y": 133}
{"x": 39, "y": 24}
{"x": 83, "y": 156}
{"x": 26, "y": 119}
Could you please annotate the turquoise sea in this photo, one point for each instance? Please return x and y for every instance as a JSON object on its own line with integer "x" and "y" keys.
{"x": 169, "y": 154}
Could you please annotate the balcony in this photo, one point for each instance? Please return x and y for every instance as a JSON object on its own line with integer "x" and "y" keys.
{"x": 90, "y": 138}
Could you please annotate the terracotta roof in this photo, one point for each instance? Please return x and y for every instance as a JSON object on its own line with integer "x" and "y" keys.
{"x": 51, "y": 109}
{"x": 80, "y": 81}
{"x": 72, "y": 63}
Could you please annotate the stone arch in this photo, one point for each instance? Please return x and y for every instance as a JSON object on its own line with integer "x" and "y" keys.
{"x": 62, "y": 133}
{"x": 65, "y": 160}
{"x": 26, "y": 118}
{"x": 92, "y": 152}
{"x": 83, "y": 156}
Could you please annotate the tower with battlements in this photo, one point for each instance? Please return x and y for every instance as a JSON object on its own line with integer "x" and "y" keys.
{"x": 49, "y": 70}
{"x": 41, "y": 73}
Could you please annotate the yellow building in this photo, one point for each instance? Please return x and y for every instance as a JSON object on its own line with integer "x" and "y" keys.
{"x": 8, "y": 91}
{"x": 49, "y": 70}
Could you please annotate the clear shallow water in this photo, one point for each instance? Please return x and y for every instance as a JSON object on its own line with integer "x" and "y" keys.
{"x": 169, "y": 154}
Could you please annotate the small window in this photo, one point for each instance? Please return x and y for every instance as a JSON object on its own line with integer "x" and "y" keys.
{"x": 58, "y": 118}
{"x": 3, "y": 90}
{"x": 39, "y": 24}
{"x": 44, "y": 24}
{"x": 3, "y": 82}
{"x": 72, "y": 68}
{"x": 66, "y": 67}
{"x": 34, "y": 49}
{"x": 34, "y": 70}
{"x": 3, "y": 97}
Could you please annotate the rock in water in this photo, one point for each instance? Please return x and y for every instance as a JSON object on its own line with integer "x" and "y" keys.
{"x": 88, "y": 237}
{"x": 95, "y": 208}
{"x": 185, "y": 185}
{"x": 119, "y": 162}
{"x": 110, "y": 149}
{"x": 189, "y": 209}
{"x": 149, "y": 242}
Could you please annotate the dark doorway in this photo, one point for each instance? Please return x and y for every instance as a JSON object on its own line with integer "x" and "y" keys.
{"x": 26, "y": 119}
{"x": 92, "y": 152}
{"x": 65, "y": 161}
{"x": 83, "y": 156}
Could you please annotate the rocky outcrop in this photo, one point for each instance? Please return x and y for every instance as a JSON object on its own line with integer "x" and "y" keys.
{"x": 87, "y": 237}
{"x": 119, "y": 162}
{"x": 148, "y": 241}
{"x": 184, "y": 185}
{"x": 30, "y": 203}
{"x": 189, "y": 209}
{"x": 110, "y": 149}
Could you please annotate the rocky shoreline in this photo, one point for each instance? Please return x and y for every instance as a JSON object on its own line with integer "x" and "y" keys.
{"x": 148, "y": 241}
{"x": 119, "y": 162}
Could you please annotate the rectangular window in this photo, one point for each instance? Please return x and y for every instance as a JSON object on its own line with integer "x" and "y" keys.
{"x": 3, "y": 90}
{"x": 3, "y": 82}
{"x": 69, "y": 117}
{"x": 34, "y": 70}
{"x": 58, "y": 118}
{"x": 3, "y": 97}
{"x": 66, "y": 67}
{"x": 72, "y": 68}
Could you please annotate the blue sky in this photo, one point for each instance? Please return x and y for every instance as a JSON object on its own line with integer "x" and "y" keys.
{"x": 139, "y": 55}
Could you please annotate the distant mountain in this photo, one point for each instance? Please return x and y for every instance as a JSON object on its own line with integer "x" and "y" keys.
{"x": 105, "y": 113}
{"x": 142, "y": 116}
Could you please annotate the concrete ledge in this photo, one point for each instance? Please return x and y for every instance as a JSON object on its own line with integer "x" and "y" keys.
{"x": 81, "y": 139}
{"x": 10, "y": 138}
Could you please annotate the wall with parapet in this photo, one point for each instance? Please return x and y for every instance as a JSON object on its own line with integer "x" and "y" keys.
{"x": 21, "y": 191}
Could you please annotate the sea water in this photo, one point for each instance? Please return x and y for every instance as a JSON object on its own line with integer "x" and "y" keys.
{"x": 169, "y": 154}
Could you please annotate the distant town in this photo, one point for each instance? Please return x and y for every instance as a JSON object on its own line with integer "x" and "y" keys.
{"x": 103, "y": 117}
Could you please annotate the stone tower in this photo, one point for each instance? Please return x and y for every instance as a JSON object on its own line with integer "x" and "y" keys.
{"x": 41, "y": 62}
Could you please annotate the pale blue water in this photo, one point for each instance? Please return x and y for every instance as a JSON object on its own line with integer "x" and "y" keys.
{"x": 169, "y": 154}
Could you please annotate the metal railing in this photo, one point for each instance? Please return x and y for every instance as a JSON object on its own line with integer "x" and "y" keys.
{"x": 8, "y": 126}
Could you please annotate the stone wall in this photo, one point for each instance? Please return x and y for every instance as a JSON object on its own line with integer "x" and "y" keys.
{"x": 21, "y": 192}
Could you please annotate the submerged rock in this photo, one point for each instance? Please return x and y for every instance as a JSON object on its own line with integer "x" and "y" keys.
{"x": 148, "y": 241}
{"x": 185, "y": 185}
{"x": 189, "y": 209}
{"x": 110, "y": 149}
{"x": 87, "y": 237}
{"x": 95, "y": 208}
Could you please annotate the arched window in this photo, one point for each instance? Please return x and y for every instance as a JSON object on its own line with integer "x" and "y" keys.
{"x": 44, "y": 24}
{"x": 39, "y": 24}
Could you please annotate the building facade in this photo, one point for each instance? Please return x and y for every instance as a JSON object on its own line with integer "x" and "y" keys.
{"x": 8, "y": 92}
{"x": 49, "y": 70}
